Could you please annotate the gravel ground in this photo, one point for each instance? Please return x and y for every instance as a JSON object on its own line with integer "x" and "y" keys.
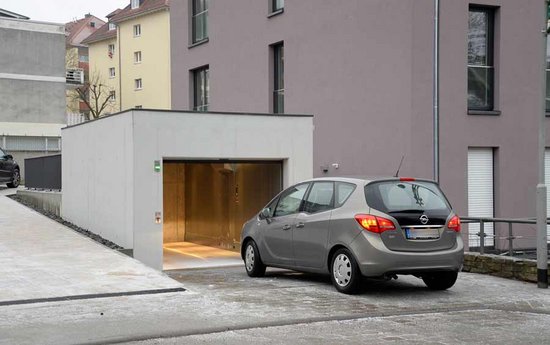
{"x": 60, "y": 220}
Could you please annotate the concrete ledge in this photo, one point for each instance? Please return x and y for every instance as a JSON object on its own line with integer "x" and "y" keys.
{"x": 48, "y": 201}
{"x": 501, "y": 266}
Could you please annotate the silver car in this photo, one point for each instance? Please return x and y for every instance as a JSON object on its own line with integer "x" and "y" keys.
{"x": 351, "y": 228}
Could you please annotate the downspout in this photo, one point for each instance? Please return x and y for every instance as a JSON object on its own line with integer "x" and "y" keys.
{"x": 436, "y": 93}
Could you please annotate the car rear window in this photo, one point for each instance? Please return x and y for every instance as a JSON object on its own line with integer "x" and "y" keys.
{"x": 405, "y": 196}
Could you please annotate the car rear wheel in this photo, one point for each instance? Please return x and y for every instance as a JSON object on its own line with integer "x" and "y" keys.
{"x": 440, "y": 280}
{"x": 16, "y": 179}
{"x": 252, "y": 261}
{"x": 345, "y": 274}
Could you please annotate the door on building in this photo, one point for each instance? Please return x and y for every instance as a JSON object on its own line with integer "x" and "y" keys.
{"x": 205, "y": 204}
{"x": 480, "y": 193}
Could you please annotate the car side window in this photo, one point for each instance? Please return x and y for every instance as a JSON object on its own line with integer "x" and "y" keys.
{"x": 271, "y": 206}
{"x": 290, "y": 200}
{"x": 343, "y": 192}
{"x": 320, "y": 197}
{"x": 2, "y": 154}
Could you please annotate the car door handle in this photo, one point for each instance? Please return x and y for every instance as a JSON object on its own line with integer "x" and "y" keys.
{"x": 286, "y": 227}
{"x": 300, "y": 225}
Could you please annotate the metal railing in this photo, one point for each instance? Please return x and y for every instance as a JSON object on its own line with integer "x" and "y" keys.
{"x": 510, "y": 237}
{"x": 75, "y": 76}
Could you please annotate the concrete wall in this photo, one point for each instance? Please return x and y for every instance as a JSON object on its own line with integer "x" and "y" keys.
{"x": 32, "y": 72}
{"x": 47, "y": 201}
{"x": 98, "y": 179}
{"x": 110, "y": 186}
{"x": 364, "y": 68}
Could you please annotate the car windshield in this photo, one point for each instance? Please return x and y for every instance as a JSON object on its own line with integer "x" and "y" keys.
{"x": 405, "y": 197}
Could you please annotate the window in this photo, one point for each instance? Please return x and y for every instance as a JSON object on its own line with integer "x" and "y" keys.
{"x": 320, "y": 197}
{"x": 92, "y": 24}
{"x": 112, "y": 96}
{"x": 137, "y": 30}
{"x": 111, "y": 50}
{"x": 277, "y": 5}
{"x": 138, "y": 84}
{"x": 201, "y": 89}
{"x": 343, "y": 192}
{"x": 137, "y": 57}
{"x": 200, "y": 20}
{"x": 112, "y": 72}
{"x": 135, "y": 4}
{"x": 278, "y": 79}
{"x": 290, "y": 200}
{"x": 481, "y": 67}
{"x": 83, "y": 58}
{"x": 112, "y": 26}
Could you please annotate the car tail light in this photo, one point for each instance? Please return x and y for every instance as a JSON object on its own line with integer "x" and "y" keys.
{"x": 454, "y": 224}
{"x": 374, "y": 224}
{"x": 406, "y": 179}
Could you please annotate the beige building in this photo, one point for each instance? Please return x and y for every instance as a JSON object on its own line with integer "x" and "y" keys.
{"x": 131, "y": 53}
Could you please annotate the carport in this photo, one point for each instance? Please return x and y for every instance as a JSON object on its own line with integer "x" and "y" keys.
{"x": 163, "y": 183}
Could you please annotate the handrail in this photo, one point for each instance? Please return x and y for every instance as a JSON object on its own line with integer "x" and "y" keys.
{"x": 482, "y": 235}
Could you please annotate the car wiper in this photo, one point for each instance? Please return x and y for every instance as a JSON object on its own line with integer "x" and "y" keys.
{"x": 413, "y": 210}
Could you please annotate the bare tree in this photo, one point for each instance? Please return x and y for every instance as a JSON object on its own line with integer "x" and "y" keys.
{"x": 96, "y": 95}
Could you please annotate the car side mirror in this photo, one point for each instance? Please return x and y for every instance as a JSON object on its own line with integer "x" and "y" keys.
{"x": 265, "y": 214}
{"x": 9, "y": 157}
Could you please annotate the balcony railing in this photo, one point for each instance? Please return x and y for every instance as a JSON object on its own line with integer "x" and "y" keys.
{"x": 75, "y": 76}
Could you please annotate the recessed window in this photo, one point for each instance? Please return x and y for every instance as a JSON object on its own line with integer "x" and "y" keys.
{"x": 481, "y": 69}
{"x": 111, "y": 50}
{"x": 138, "y": 84}
{"x": 277, "y": 5}
{"x": 112, "y": 73}
{"x": 135, "y": 4}
{"x": 112, "y": 26}
{"x": 200, "y": 20}
{"x": 137, "y": 57}
{"x": 201, "y": 89}
{"x": 137, "y": 30}
{"x": 112, "y": 96}
{"x": 278, "y": 78}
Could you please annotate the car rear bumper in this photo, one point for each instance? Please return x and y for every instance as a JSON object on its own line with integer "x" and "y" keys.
{"x": 375, "y": 259}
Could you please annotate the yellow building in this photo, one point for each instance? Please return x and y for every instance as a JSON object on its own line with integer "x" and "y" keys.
{"x": 141, "y": 57}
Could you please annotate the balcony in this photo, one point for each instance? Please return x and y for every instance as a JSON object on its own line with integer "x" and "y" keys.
{"x": 75, "y": 76}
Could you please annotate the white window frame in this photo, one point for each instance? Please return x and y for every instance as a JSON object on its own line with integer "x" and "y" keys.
{"x": 112, "y": 96}
{"x": 137, "y": 30}
{"x": 111, "y": 49}
{"x": 137, "y": 57}
{"x": 135, "y": 4}
{"x": 138, "y": 84}
{"x": 112, "y": 26}
{"x": 112, "y": 72}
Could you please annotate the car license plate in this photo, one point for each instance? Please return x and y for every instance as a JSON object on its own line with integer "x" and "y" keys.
{"x": 422, "y": 234}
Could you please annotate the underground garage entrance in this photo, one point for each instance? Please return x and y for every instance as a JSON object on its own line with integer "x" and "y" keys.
{"x": 206, "y": 204}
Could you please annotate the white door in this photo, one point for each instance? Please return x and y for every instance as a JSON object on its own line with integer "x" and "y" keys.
{"x": 480, "y": 193}
{"x": 547, "y": 181}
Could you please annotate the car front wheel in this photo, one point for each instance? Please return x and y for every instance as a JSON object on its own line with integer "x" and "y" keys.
{"x": 440, "y": 280}
{"x": 16, "y": 179}
{"x": 252, "y": 260}
{"x": 345, "y": 273}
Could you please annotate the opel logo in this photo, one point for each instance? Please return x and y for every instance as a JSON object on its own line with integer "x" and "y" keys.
{"x": 424, "y": 219}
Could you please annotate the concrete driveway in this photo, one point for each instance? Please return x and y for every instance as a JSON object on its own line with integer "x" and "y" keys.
{"x": 41, "y": 262}
{"x": 41, "y": 259}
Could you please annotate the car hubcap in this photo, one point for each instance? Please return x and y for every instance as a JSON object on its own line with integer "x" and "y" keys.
{"x": 16, "y": 177}
{"x": 341, "y": 270}
{"x": 249, "y": 258}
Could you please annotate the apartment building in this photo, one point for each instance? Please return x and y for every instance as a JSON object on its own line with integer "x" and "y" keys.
{"x": 32, "y": 86}
{"x": 365, "y": 69}
{"x": 77, "y": 63}
{"x": 133, "y": 51}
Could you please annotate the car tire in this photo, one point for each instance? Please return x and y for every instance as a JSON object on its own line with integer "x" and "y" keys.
{"x": 344, "y": 272}
{"x": 440, "y": 280}
{"x": 16, "y": 179}
{"x": 252, "y": 260}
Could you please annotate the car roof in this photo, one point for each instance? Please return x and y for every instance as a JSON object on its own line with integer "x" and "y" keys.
{"x": 363, "y": 179}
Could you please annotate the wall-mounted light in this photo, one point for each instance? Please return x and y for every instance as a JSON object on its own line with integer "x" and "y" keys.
{"x": 157, "y": 166}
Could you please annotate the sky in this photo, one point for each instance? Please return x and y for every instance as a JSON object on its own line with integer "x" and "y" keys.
{"x": 62, "y": 11}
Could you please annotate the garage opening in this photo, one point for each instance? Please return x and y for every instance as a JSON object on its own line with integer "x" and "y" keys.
{"x": 206, "y": 205}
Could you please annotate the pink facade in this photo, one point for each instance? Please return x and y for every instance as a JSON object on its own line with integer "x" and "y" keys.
{"x": 364, "y": 69}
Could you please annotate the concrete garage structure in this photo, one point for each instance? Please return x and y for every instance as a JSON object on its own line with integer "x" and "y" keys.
{"x": 142, "y": 178}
